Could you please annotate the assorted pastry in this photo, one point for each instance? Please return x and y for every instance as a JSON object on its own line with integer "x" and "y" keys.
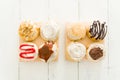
{"x": 76, "y": 51}
{"x": 96, "y": 52}
{"x": 28, "y": 31}
{"x": 28, "y": 51}
{"x": 97, "y": 30}
{"x": 38, "y": 42}
{"x": 48, "y": 51}
{"x": 81, "y": 41}
{"x": 49, "y": 31}
{"x": 76, "y": 31}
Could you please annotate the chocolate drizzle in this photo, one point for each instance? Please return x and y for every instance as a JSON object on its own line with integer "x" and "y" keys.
{"x": 98, "y": 30}
{"x": 96, "y": 53}
{"x": 46, "y": 50}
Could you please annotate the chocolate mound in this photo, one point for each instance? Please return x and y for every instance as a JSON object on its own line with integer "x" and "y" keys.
{"x": 96, "y": 53}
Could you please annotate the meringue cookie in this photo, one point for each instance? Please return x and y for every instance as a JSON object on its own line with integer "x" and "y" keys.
{"x": 76, "y": 51}
{"x": 49, "y": 31}
{"x": 76, "y": 31}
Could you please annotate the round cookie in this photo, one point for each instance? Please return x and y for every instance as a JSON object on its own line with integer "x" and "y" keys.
{"x": 49, "y": 31}
{"x": 76, "y": 31}
{"x": 97, "y": 31}
{"x": 96, "y": 52}
{"x": 76, "y": 51}
{"x": 28, "y": 51}
{"x": 28, "y": 31}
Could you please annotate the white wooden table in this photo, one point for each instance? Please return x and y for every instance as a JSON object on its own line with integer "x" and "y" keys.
{"x": 14, "y": 11}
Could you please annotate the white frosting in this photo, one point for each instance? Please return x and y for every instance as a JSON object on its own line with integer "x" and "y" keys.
{"x": 76, "y": 51}
{"x": 53, "y": 55}
{"x": 35, "y": 54}
{"x": 49, "y": 31}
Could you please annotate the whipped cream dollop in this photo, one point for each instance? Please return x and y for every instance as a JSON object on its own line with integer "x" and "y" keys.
{"x": 49, "y": 31}
{"x": 76, "y": 51}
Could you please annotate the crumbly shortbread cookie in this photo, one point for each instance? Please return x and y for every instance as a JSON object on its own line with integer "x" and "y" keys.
{"x": 28, "y": 31}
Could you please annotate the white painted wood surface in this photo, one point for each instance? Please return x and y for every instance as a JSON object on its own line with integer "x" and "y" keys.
{"x": 14, "y": 11}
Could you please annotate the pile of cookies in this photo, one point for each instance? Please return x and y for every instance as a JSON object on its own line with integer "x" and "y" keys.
{"x": 39, "y": 41}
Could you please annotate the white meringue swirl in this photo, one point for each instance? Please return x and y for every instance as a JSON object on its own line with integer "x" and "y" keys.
{"x": 76, "y": 51}
{"x": 49, "y": 31}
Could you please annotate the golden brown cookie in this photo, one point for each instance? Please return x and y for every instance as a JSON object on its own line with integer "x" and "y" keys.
{"x": 28, "y": 31}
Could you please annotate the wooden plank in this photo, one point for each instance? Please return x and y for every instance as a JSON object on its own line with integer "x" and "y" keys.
{"x": 35, "y": 10}
{"x": 114, "y": 72}
{"x": 8, "y": 40}
{"x": 91, "y": 10}
{"x": 114, "y": 33}
{"x": 33, "y": 71}
{"x": 63, "y": 11}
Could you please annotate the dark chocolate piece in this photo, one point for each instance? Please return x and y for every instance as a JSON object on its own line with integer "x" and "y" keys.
{"x": 96, "y": 53}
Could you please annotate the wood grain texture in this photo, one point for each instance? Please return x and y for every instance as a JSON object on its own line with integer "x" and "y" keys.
{"x": 8, "y": 39}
